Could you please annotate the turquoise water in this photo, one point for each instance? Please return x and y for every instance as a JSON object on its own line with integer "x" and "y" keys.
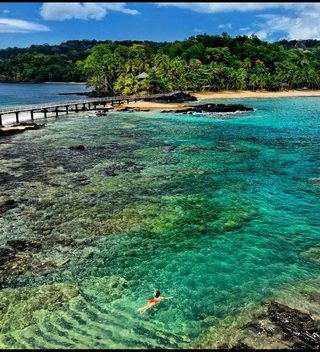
{"x": 218, "y": 212}
{"x": 12, "y": 94}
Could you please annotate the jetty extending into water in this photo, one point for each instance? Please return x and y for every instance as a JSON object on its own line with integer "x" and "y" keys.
{"x": 66, "y": 107}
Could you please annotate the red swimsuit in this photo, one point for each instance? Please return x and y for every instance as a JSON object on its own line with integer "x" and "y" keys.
{"x": 153, "y": 300}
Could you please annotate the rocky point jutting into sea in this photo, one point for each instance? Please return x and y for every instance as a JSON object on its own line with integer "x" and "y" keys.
{"x": 221, "y": 213}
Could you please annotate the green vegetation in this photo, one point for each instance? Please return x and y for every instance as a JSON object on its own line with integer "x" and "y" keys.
{"x": 204, "y": 62}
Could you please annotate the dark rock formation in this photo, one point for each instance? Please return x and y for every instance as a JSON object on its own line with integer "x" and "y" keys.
{"x": 214, "y": 108}
{"x": 126, "y": 109}
{"x": 101, "y": 113}
{"x": 13, "y": 260}
{"x": 77, "y": 147}
{"x": 5, "y": 255}
{"x": 19, "y": 128}
{"x": 174, "y": 98}
{"x": 132, "y": 109}
{"x": 295, "y": 325}
{"x": 278, "y": 323}
{"x": 8, "y": 205}
{"x": 24, "y": 244}
{"x": 24, "y": 256}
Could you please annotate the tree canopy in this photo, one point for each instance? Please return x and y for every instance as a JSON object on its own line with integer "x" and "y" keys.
{"x": 202, "y": 62}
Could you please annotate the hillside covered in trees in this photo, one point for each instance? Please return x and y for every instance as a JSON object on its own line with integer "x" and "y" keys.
{"x": 204, "y": 62}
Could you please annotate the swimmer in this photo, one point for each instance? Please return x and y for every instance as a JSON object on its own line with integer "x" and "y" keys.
{"x": 153, "y": 301}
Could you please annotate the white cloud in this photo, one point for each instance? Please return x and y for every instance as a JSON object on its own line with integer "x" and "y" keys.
{"x": 226, "y": 25}
{"x": 262, "y": 34}
{"x": 83, "y": 11}
{"x": 302, "y": 25}
{"x": 299, "y": 21}
{"x": 205, "y": 7}
{"x": 11, "y": 25}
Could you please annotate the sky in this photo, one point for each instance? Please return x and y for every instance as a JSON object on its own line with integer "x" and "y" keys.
{"x": 25, "y": 23}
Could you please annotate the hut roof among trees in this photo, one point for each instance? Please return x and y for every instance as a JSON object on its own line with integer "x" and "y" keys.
{"x": 142, "y": 75}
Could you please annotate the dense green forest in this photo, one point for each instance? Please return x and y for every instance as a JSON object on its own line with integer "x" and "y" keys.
{"x": 203, "y": 62}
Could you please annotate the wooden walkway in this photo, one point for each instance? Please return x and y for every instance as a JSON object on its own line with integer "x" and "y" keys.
{"x": 72, "y": 106}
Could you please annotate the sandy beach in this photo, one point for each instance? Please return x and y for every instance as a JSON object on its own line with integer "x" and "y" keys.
{"x": 257, "y": 94}
{"x": 222, "y": 95}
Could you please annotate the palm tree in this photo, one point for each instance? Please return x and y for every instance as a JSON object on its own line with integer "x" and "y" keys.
{"x": 102, "y": 67}
{"x": 177, "y": 74}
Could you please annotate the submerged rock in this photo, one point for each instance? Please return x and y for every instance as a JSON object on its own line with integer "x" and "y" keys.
{"x": 6, "y": 254}
{"x": 81, "y": 180}
{"x": 8, "y": 205}
{"x": 30, "y": 257}
{"x": 312, "y": 254}
{"x": 23, "y": 244}
{"x": 7, "y": 178}
{"x": 107, "y": 288}
{"x": 77, "y": 147}
{"x": 19, "y": 307}
{"x": 126, "y": 166}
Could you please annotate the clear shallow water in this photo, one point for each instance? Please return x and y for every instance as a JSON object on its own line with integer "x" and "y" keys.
{"x": 12, "y": 94}
{"x": 218, "y": 212}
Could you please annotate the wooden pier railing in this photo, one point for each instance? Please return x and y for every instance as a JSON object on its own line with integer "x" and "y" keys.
{"x": 77, "y": 105}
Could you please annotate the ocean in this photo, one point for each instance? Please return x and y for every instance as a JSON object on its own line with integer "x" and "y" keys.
{"x": 13, "y": 94}
{"x": 221, "y": 212}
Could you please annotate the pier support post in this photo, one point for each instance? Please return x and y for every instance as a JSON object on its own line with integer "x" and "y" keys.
{"x": 31, "y": 113}
{"x": 45, "y": 113}
{"x": 0, "y": 119}
{"x": 76, "y": 107}
{"x": 104, "y": 104}
{"x": 89, "y": 106}
{"x": 57, "y": 112}
{"x": 17, "y": 116}
{"x": 84, "y": 106}
{"x": 67, "y": 109}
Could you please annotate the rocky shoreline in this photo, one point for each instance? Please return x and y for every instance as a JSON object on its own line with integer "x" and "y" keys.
{"x": 273, "y": 325}
{"x": 19, "y": 128}
{"x": 212, "y": 108}
{"x": 178, "y": 98}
